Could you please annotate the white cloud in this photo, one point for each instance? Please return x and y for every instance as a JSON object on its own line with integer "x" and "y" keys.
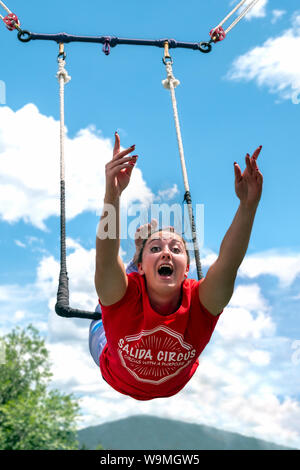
{"x": 285, "y": 267}
{"x": 273, "y": 64}
{"x": 239, "y": 380}
{"x": 19, "y": 315}
{"x": 249, "y": 297}
{"x": 73, "y": 355}
{"x": 238, "y": 323}
{"x": 277, "y": 15}
{"x": 167, "y": 194}
{"x": 19, "y": 295}
{"x": 246, "y": 317}
{"x": 29, "y": 171}
{"x": 260, "y": 358}
{"x": 20, "y": 244}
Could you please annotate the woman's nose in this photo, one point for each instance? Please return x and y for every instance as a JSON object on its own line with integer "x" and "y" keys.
{"x": 166, "y": 254}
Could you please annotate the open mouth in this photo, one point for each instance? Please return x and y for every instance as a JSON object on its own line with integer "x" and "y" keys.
{"x": 165, "y": 270}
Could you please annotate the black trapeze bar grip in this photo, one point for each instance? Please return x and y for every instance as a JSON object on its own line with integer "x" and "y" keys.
{"x": 68, "y": 312}
{"x": 62, "y": 307}
{"x": 26, "y": 36}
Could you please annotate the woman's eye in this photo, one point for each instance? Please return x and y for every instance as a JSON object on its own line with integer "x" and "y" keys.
{"x": 176, "y": 250}
{"x": 155, "y": 249}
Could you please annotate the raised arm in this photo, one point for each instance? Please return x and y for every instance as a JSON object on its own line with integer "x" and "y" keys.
{"x": 216, "y": 289}
{"x": 110, "y": 275}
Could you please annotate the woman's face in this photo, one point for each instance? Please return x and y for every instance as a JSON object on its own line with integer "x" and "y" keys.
{"x": 164, "y": 261}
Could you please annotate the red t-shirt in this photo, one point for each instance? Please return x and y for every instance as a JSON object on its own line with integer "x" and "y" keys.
{"x": 149, "y": 355}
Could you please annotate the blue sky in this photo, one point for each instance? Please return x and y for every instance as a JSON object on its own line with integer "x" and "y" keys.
{"x": 241, "y": 95}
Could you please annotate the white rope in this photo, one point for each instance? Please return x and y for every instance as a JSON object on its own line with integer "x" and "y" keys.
{"x": 231, "y": 13}
{"x": 5, "y": 7}
{"x": 243, "y": 13}
{"x": 63, "y": 78}
{"x": 170, "y": 83}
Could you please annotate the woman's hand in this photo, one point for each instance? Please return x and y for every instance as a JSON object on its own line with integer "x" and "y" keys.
{"x": 248, "y": 185}
{"x": 118, "y": 170}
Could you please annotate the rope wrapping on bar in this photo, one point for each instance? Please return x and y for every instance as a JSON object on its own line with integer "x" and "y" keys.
{"x": 188, "y": 200}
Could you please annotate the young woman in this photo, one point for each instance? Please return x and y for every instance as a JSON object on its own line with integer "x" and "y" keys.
{"x": 156, "y": 322}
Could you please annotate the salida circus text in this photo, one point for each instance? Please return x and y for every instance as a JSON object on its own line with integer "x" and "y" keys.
{"x": 165, "y": 356}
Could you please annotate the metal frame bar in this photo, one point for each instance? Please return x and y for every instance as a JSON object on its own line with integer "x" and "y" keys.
{"x": 26, "y": 36}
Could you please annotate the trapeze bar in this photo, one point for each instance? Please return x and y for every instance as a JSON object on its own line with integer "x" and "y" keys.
{"x": 112, "y": 41}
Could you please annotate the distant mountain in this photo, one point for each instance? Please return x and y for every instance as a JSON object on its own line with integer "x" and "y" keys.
{"x": 151, "y": 433}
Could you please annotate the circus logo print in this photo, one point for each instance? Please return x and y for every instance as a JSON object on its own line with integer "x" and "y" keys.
{"x": 155, "y": 356}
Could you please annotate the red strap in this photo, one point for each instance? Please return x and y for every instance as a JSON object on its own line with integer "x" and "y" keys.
{"x": 10, "y": 21}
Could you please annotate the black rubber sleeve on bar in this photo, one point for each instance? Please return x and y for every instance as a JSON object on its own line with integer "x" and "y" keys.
{"x": 188, "y": 199}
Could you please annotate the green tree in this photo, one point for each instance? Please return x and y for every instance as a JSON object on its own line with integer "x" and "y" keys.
{"x": 32, "y": 417}
{"x": 99, "y": 447}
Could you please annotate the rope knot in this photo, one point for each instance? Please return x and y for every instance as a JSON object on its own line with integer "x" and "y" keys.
{"x": 170, "y": 78}
{"x": 62, "y": 71}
